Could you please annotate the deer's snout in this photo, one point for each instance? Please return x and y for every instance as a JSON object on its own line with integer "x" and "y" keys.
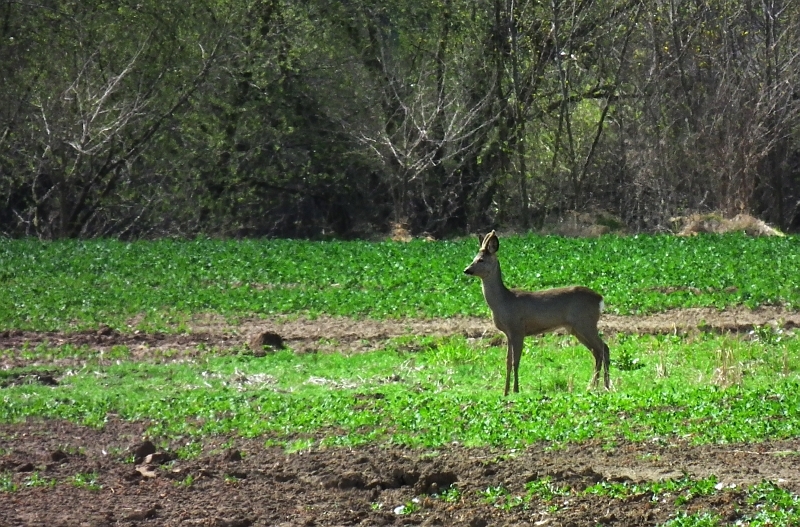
{"x": 468, "y": 270}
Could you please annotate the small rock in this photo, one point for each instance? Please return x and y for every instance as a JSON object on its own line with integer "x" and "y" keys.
{"x": 137, "y": 516}
{"x": 158, "y": 458}
{"x": 146, "y": 471}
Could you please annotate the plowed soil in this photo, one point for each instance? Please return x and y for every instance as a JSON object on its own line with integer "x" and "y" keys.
{"x": 237, "y": 482}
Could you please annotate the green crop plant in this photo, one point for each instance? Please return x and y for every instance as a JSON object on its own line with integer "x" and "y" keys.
{"x": 774, "y": 505}
{"x": 698, "y": 519}
{"x": 409, "y": 507}
{"x": 544, "y": 489}
{"x": 37, "y": 480}
{"x": 160, "y": 285}
{"x": 450, "y": 495}
{"x": 7, "y": 482}
{"x": 685, "y": 489}
{"x": 406, "y": 395}
{"x": 494, "y": 495}
{"x": 87, "y": 480}
{"x": 186, "y": 482}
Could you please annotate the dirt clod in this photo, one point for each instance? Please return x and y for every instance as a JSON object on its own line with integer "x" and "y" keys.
{"x": 141, "y": 515}
{"x": 435, "y": 482}
{"x": 147, "y": 471}
{"x": 143, "y": 450}
{"x": 265, "y": 340}
{"x": 233, "y": 455}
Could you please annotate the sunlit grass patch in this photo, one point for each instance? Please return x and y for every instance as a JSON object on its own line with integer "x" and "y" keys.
{"x": 159, "y": 285}
{"x": 430, "y": 392}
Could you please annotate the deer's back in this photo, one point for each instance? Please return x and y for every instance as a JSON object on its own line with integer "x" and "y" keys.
{"x": 549, "y": 309}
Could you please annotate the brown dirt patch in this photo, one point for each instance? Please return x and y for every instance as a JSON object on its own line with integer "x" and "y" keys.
{"x": 242, "y": 482}
{"x": 239, "y": 482}
{"x": 358, "y": 335}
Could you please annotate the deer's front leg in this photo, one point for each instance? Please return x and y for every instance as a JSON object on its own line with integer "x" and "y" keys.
{"x": 509, "y": 364}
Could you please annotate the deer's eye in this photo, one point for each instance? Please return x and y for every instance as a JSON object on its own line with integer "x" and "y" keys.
{"x": 480, "y": 259}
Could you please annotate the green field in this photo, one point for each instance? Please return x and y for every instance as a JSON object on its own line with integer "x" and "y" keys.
{"x": 62, "y": 285}
{"x": 448, "y": 386}
{"x": 416, "y": 391}
{"x": 426, "y": 392}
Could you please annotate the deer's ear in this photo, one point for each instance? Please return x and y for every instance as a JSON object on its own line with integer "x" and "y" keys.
{"x": 491, "y": 243}
{"x": 480, "y": 239}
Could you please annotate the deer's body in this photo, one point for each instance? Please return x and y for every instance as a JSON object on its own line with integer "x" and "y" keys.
{"x": 522, "y": 313}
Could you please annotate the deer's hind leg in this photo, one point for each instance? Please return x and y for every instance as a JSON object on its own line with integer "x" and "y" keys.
{"x": 591, "y": 339}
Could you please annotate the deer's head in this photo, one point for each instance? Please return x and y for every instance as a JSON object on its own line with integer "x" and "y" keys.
{"x": 485, "y": 262}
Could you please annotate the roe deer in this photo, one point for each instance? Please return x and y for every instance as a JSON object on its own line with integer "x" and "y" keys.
{"x": 522, "y": 313}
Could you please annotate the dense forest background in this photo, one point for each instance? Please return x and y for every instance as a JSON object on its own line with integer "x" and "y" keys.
{"x": 317, "y": 118}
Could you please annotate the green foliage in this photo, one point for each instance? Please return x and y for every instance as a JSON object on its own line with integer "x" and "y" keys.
{"x": 405, "y": 395}
{"x": 544, "y": 489}
{"x": 450, "y": 495}
{"x": 409, "y": 507}
{"x": 7, "y": 482}
{"x": 763, "y": 504}
{"x": 775, "y": 505}
{"x": 161, "y": 284}
{"x": 494, "y": 495}
{"x": 87, "y": 480}
{"x": 37, "y": 480}
{"x": 698, "y": 519}
{"x": 625, "y": 359}
{"x": 186, "y": 482}
{"x": 190, "y": 450}
{"x": 686, "y": 488}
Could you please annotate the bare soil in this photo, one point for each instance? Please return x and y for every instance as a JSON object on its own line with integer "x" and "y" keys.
{"x": 354, "y": 335}
{"x": 238, "y": 482}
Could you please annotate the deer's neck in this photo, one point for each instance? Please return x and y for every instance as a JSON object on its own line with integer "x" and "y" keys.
{"x": 494, "y": 291}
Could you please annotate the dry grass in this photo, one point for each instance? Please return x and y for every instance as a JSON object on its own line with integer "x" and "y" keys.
{"x": 729, "y": 371}
{"x": 716, "y": 223}
{"x": 400, "y": 232}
